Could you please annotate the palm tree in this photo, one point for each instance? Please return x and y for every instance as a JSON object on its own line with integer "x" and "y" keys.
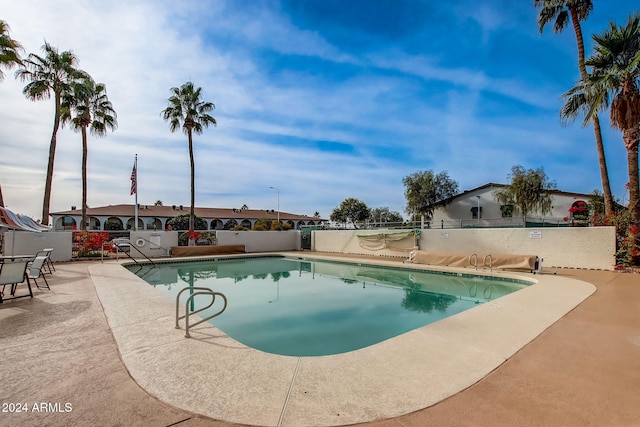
{"x": 560, "y": 11}
{"x": 88, "y": 106}
{"x": 615, "y": 83}
{"x": 9, "y": 49}
{"x": 52, "y": 72}
{"x": 188, "y": 111}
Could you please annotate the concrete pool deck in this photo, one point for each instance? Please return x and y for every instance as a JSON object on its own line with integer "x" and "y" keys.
{"x": 79, "y": 342}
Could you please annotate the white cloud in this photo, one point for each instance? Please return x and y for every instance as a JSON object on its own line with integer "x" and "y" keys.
{"x": 394, "y": 111}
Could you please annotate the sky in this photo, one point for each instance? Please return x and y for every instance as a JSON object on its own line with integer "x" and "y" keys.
{"x": 322, "y": 100}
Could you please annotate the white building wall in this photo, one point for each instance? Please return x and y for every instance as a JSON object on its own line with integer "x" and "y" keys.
{"x": 461, "y": 209}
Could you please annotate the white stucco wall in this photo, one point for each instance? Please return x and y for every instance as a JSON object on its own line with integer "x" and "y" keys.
{"x": 571, "y": 247}
{"x": 347, "y": 242}
{"x": 28, "y": 243}
{"x": 152, "y": 244}
{"x": 261, "y": 241}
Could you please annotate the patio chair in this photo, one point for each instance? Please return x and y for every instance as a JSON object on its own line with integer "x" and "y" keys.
{"x": 14, "y": 273}
{"x": 35, "y": 270}
{"x": 48, "y": 264}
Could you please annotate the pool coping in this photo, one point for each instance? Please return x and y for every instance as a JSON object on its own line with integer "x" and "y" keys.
{"x": 214, "y": 375}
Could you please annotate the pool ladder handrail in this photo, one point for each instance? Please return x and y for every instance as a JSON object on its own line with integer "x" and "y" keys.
{"x": 475, "y": 265}
{"x": 484, "y": 261}
{"x": 188, "y": 312}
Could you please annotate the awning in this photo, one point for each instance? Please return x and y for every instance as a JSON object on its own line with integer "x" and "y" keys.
{"x": 15, "y": 221}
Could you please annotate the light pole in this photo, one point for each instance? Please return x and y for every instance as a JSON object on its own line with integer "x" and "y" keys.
{"x": 478, "y": 213}
{"x": 278, "y": 190}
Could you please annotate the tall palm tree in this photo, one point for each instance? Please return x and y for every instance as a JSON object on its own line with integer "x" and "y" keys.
{"x": 560, "y": 12}
{"x": 52, "y": 72}
{"x": 9, "y": 49}
{"x": 188, "y": 111}
{"x": 615, "y": 83}
{"x": 88, "y": 107}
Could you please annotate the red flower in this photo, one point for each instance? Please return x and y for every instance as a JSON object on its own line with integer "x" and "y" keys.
{"x": 634, "y": 229}
{"x": 193, "y": 235}
{"x": 566, "y": 218}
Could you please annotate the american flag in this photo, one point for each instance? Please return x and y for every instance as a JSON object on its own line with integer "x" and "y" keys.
{"x": 134, "y": 180}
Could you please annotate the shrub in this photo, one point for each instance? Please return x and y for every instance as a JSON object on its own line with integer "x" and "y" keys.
{"x": 90, "y": 243}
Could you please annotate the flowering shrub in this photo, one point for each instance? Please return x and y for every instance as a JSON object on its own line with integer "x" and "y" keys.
{"x": 200, "y": 237}
{"x": 579, "y": 212}
{"x": 627, "y": 244}
{"x": 90, "y": 243}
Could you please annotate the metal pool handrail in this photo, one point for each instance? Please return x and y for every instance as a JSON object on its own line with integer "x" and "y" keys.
{"x": 188, "y": 312}
{"x": 484, "y": 261}
{"x": 476, "y": 259}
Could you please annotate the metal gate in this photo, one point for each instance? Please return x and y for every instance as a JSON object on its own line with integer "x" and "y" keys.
{"x": 305, "y": 236}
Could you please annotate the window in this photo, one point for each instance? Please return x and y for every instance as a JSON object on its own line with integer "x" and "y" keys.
{"x": 507, "y": 211}
{"x": 474, "y": 212}
{"x": 579, "y": 210}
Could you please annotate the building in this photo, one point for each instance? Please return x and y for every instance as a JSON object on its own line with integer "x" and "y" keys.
{"x": 479, "y": 207}
{"x": 151, "y": 217}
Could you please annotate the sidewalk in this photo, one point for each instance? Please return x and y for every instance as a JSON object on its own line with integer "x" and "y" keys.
{"x": 57, "y": 349}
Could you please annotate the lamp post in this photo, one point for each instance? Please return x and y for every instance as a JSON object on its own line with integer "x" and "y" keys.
{"x": 278, "y": 190}
{"x": 478, "y": 212}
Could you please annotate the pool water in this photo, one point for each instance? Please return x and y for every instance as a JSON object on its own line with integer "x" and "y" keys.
{"x": 300, "y": 307}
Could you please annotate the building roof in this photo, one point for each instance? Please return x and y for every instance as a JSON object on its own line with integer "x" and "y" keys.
{"x": 175, "y": 210}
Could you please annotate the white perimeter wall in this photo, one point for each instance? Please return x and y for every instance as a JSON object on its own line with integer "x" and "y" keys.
{"x": 152, "y": 244}
{"x": 261, "y": 241}
{"x": 346, "y": 242}
{"x": 571, "y": 247}
{"x": 28, "y": 243}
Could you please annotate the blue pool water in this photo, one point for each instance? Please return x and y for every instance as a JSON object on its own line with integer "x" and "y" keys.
{"x": 300, "y": 307}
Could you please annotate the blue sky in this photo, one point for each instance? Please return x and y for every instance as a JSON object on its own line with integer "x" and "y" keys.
{"x": 324, "y": 100}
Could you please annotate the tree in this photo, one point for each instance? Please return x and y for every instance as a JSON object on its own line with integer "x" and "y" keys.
{"x": 87, "y": 106}
{"x": 9, "y": 49}
{"x": 385, "y": 215}
{"x": 614, "y": 83}
{"x": 560, "y": 11}
{"x": 350, "y": 209}
{"x": 424, "y": 189}
{"x": 528, "y": 191}
{"x": 182, "y": 222}
{"x": 187, "y": 110}
{"x": 158, "y": 203}
{"x": 54, "y": 72}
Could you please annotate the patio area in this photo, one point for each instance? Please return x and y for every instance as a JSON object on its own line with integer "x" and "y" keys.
{"x": 58, "y": 349}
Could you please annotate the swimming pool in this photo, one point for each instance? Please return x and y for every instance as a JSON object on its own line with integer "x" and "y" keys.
{"x": 303, "y": 307}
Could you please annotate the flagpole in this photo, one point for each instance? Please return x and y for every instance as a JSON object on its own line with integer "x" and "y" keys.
{"x": 135, "y": 166}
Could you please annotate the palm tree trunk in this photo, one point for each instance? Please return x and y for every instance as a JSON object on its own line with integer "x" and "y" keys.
{"x": 52, "y": 154}
{"x": 604, "y": 173}
{"x": 192, "y": 215}
{"x": 85, "y": 153}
